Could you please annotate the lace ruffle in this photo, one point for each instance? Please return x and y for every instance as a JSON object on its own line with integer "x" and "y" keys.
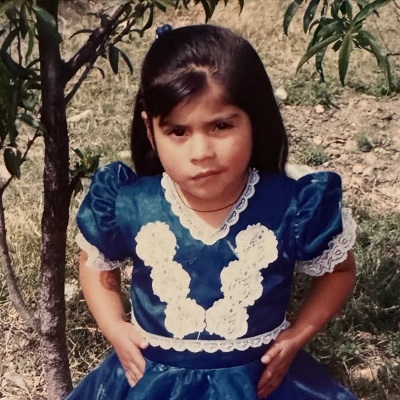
{"x": 95, "y": 258}
{"x": 337, "y": 251}
{"x": 197, "y": 228}
{"x": 210, "y": 346}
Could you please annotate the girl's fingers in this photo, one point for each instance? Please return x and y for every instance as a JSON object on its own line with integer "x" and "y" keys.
{"x": 270, "y": 354}
{"x": 139, "y": 340}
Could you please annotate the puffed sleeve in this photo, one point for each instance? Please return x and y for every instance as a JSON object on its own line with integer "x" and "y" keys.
{"x": 99, "y": 234}
{"x": 324, "y": 232}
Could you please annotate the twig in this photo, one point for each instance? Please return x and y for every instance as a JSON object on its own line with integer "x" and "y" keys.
{"x": 393, "y": 54}
{"x": 11, "y": 279}
{"x": 88, "y": 52}
{"x": 78, "y": 84}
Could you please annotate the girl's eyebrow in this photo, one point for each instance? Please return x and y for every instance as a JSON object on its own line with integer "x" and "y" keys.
{"x": 167, "y": 123}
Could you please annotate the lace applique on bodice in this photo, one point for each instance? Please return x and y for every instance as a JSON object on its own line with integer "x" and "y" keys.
{"x": 256, "y": 249}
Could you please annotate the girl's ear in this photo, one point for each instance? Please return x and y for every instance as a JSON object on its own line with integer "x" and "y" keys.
{"x": 147, "y": 123}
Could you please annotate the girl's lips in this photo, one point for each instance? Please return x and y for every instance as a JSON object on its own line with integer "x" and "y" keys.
{"x": 206, "y": 174}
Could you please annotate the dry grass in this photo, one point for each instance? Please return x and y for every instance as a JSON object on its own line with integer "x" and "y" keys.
{"x": 365, "y": 357}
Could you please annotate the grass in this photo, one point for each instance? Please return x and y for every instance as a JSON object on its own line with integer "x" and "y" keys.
{"x": 361, "y": 347}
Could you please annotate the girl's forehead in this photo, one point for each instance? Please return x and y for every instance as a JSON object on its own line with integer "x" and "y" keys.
{"x": 212, "y": 97}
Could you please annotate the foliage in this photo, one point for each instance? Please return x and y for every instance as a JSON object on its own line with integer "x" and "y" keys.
{"x": 364, "y": 144}
{"x": 340, "y": 24}
{"x": 301, "y": 91}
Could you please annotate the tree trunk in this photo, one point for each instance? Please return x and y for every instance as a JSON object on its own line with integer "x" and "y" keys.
{"x": 55, "y": 216}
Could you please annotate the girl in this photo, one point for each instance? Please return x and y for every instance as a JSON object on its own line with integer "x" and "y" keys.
{"x": 214, "y": 227}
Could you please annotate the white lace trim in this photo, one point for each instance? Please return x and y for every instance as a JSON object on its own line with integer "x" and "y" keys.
{"x": 197, "y": 228}
{"x": 95, "y": 258}
{"x": 256, "y": 249}
{"x": 210, "y": 346}
{"x": 337, "y": 251}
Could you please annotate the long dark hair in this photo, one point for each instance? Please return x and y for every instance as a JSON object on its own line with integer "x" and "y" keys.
{"x": 179, "y": 64}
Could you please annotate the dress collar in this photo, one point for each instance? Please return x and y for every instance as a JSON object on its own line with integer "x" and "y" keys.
{"x": 196, "y": 226}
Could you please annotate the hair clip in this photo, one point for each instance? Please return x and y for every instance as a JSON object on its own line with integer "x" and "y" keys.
{"x": 163, "y": 30}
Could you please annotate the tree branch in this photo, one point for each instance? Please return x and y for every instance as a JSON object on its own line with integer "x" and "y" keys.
{"x": 11, "y": 279}
{"x": 88, "y": 53}
{"x": 84, "y": 75}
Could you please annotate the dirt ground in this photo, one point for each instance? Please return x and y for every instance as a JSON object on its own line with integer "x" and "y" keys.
{"x": 371, "y": 175}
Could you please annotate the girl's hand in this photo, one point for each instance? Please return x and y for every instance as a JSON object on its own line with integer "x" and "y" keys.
{"x": 128, "y": 343}
{"x": 277, "y": 359}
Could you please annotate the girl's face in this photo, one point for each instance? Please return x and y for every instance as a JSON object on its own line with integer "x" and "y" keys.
{"x": 205, "y": 145}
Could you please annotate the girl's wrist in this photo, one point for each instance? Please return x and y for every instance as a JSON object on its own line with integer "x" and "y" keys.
{"x": 112, "y": 327}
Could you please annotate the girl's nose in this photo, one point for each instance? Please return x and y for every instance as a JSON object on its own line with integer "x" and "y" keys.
{"x": 201, "y": 147}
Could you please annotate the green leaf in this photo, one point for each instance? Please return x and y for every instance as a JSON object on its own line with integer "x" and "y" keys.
{"x": 319, "y": 58}
{"x": 289, "y": 14}
{"x": 337, "y": 46}
{"x": 344, "y": 56}
{"x": 78, "y": 188}
{"x": 208, "y": 7}
{"x": 9, "y": 39}
{"x": 47, "y": 22}
{"x": 149, "y": 22}
{"x": 163, "y": 4}
{"x": 81, "y": 31}
{"x": 368, "y": 10}
{"x": 113, "y": 57}
{"x": 103, "y": 74}
{"x": 241, "y": 5}
{"x": 31, "y": 41}
{"x": 377, "y": 49}
{"x": 310, "y": 14}
{"x": 325, "y": 31}
{"x": 79, "y": 153}
{"x": 13, "y": 67}
{"x": 317, "y": 48}
{"x": 364, "y": 3}
{"x": 335, "y": 8}
{"x": 349, "y": 9}
{"x": 23, "y": 21}
{"x": 12, "y": 161}
{"x": 31, "y": 121}
{"x": 126, "y": 59}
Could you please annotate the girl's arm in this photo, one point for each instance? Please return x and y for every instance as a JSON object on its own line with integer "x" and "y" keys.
{"x": 327, "y": 296}
{"x": 102, "y": 291}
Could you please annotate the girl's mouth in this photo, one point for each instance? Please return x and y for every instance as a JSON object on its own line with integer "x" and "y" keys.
{"x": 206, "y": 174}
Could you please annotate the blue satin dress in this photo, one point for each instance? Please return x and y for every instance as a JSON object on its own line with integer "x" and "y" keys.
{"x": 211, "y": 301}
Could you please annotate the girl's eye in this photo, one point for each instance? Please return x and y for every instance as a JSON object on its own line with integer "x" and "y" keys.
{"x": 222, "y": 126}
{"x": 177, "y": 132}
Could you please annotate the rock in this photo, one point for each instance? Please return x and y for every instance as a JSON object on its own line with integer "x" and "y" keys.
{"x": 358, "y": 169}
{"x": 79, "y": 117}
{"x": 370, "y": 158}
{"x": 369, "y": 171}
{"x": 317, "y": 140}
{"x": 319, "y": 109}
{"x": 281, "y": 93}
{"x": 71, "y": 291}
{"x": 351, "y": 145}
{"x": 125, "y": 154}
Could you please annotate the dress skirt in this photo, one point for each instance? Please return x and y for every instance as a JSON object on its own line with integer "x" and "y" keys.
{"x": 305, "y": 380}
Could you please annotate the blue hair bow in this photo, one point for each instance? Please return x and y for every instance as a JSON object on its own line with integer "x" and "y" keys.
{"x": 163, "y": 30}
